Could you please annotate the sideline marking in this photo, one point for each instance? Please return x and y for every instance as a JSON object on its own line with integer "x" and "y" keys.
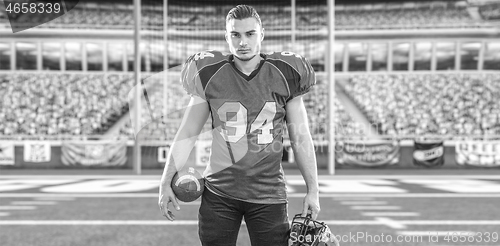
{"x": 390, "y": 223}
{"x": 375, "y": 207}
{"x": 353, "y": 186}
{"x": 33, "y": 203}
{"x": 54, "y": 198}
{"x": 17, "y": 207}
{"x": 331, "y": 186}
{"x": 363, "y": 202}
{"x": 195, "y": 222}
{"x": 103, "y": 186}
{"x": 15, "y": 185}
{"x": 390, "y": 214}
{"x": 451, "y": 222}
{"x": 458, "y": 186}
{"x": 436, "y": 233}
{"x": 288, "y": 177}
{"x": 295, "y": 195}
{"x": 362, "y": 198}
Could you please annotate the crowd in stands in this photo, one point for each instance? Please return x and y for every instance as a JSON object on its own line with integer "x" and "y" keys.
{"x": 398, "y": 105}
{"x": 432, "y": 104}
{"x": 154, "y": 123}
{"x": 345, "y": 126}
{"x": 60, "y": 104}
{"x": 316, "y": 102}
{"x": 75, "y": 104}
{"x": 490, "y": 11}
{"x": 426, "y": 17}
{"x": 309, "y": 17}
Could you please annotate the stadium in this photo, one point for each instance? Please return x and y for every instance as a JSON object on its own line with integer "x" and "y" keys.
{"x": 406, "y": 87}
{"x": 437, "y": 61}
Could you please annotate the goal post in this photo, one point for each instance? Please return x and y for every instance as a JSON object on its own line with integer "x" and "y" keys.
{"x": 137, "y": 81}
{"x": 331, "y": 86}
{"x": 160, "y": 50}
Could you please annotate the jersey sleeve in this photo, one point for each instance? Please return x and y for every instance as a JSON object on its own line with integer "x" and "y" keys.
{"x": 190, "y": 78}
{"x": 297, "y": 70}
{"x": 307, "y": 77}
{"x": 198, "y": 69}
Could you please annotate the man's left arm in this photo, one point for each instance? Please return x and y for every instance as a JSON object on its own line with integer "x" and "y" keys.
{"x": 305, "y": 156}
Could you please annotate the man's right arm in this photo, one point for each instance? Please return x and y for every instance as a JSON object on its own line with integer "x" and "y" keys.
{"x": 192, "y": 123}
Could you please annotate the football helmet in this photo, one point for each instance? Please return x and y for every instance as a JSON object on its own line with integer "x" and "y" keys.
{"x": 305, "y": 231}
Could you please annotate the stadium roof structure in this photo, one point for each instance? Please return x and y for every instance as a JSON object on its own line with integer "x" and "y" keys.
{"x": 280, "y": 2}
{"x": 221, "y": 2}
{"x": 345, "y": 2}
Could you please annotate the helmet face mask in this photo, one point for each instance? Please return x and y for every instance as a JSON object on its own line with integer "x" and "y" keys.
{"x": 304, "y": 231}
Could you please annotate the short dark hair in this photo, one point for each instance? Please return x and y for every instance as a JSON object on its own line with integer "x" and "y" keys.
{"x": 241, "y": 12}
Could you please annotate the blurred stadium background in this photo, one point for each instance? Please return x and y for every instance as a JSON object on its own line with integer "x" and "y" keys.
{"x": 404, "y": 71}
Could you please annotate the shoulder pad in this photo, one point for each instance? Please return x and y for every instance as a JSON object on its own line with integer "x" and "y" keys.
{"x": 286, "y": 56}
{"x": 207, "y": 58}
{"x": 190, "y": 74}
{"x": 298, "y": 71}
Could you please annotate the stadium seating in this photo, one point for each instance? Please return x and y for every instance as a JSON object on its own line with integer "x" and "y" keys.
{"x": 61, "y": 104}
{"x": 76, "y": 104}
{"x": 410, "y": 15}
{"x": 490, "y": 11}
{"x": 315, "y": 101}
{"x": 431, "y": 104}
{"x": 402, "y": 105}
{"x": 407, "y": 18}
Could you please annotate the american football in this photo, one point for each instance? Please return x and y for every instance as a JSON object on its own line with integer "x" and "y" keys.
{"x": 188, "y": 185}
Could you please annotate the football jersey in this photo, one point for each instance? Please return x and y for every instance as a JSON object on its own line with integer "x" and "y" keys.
{"x": 248, "y": 119}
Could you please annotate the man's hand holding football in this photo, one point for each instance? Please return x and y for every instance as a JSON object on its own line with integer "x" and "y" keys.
{"x": 166, "y": 197}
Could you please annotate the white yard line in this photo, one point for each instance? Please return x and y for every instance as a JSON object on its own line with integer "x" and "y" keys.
{"x": 195, "y": 222}
{"x": 396, "y": 214}
{"x": 33, "y": 203}
{"x": 451, "y": 222}
{"x": 390, "y": 223}
{"x": 54, "y": 198}
{"x": 336, "y": 196}
{"x": 405, "y": 195}
{"x": 98, "y": 222}
{"x": 363, "y": 202}
{"x": 17, "y": 207}
{"x": 375, "y": 207}
{"x": 288, "y": 177}
{"x": 345, "y": 198}
{"x": 436, "y": 233}
{"x": 4, "y": 214}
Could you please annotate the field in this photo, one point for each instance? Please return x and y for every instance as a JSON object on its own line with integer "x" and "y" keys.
{"x": 51, "y": 210}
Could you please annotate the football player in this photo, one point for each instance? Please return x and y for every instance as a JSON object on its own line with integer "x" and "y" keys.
{"x": 250, "y": 97}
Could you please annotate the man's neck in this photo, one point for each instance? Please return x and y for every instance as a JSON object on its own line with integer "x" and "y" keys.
{"x": 247, "y": 67}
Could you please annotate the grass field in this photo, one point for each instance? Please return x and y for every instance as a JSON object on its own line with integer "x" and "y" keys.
{"x": 69, "y": 210}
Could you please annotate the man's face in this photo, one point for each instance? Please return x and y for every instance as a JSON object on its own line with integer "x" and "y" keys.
{"x": 244, "y": 38}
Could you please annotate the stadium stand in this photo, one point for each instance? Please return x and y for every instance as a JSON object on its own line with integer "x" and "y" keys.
{"x": 315, "y": 101}
{"x": 407, "y": 15}
{"x": 490, "y": 11}
{"x": 430, "y": 104}
{"x": 77, "y": 104}
{"x": 393, "y": 115}
{"x": 61, "y": 104}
